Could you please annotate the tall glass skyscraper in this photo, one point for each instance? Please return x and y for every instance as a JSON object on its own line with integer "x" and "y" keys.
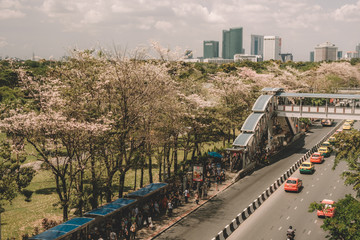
{"x": 232, "y": 42}
{"x": 211, "y": 49}
{"x": 257, "y": 45}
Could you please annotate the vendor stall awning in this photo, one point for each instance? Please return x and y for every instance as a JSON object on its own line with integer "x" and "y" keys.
{"x": 110, "y": 207}
{"x": 64, "y": 228}
{"x": 147, "y": 190}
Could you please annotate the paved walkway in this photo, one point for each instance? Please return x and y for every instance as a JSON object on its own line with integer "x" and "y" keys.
{"x": 164, "y": 222}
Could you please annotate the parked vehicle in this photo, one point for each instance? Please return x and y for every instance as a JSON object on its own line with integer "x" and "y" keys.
{"x": 328, "y": 210}
{"x": 307, "y": 167}
{"x": 293, "y": 185}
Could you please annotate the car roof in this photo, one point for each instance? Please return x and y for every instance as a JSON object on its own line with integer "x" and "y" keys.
{"x": 322, "y": 148}
{"x": 306, "y": 163}
{"x": 316, "y": 153}
{"x": 327, "y": 201}
{"x": 292, "y": 178}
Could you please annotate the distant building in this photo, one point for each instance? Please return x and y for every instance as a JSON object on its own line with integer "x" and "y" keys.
{"x": 285, "y": 57}
{"x": 188, "y": 54}
{"x": 350, "y": 55}
{"x": 272, "y": 48}
{"x": 325, "y": 52}
{"x": 312, "y": 56}
{"x": 211, "y": 49}
{"x": 232, "y": 43}
{"x": 357, "y": 49}
{"x": 218, "y": 60}
{"x": 339, "y": 55}
{"x": 247, "y": 57}
{"x": 257, "y": 45}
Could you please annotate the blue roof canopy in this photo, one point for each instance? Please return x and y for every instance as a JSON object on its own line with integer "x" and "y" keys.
{"x": 111, "y": 207}
{"x": 147, "y": 190}
{"x": 63, "y": 229}
{"x": 215, "y": 154}
{"x": 319, "y": 95}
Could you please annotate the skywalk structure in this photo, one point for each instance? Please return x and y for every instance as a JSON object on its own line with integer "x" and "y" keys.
{"x": 274, "y": 121}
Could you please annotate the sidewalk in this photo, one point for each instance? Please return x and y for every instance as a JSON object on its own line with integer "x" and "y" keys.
{"x": 164, "y": 222}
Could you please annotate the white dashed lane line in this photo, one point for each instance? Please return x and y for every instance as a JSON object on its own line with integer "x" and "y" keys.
{"x": 315, "y": 221}
{"x": 295, "y": 208}
{"x": 334, "y": 188}
{"x": 280, "y": 228}
{"x": 301, "y": 200}
{"x": 317, "y": 179}
{"x": 321, "y": 174}
{"x": 309, "y": 232}
{"x": 288, "y": 218}
{"x": 330, "y": 194}
{"x": 307, "y": 192}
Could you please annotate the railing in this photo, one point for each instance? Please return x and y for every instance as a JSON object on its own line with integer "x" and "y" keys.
{"x": 310, "y": 111}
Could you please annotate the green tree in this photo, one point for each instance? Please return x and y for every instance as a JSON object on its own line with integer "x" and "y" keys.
{"x": 346, "y": 222}
{"x": 348, "y": 149}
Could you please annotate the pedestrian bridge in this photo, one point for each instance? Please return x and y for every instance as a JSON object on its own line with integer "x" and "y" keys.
{"x": 275, "y": 121}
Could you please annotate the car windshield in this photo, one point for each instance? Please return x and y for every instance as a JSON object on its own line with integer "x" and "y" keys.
{"x": 306, "y": 165}
{"x": 291, "y": 181}
{"x": 316, "y": 155}
{"x": 328, "y": 205}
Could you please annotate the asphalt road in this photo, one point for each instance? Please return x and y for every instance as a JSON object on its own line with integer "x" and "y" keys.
{"x": 283, "y": 209}
{"x": 212, "y": 217}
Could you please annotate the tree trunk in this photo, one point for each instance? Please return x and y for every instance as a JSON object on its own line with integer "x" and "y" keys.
{"x": 108, "y": 189}
{"x": 95, "y": 188}
{"x": 150, "y": 169}
{"x": 142, "y": 174}
{"x": 164, "y": 163}
{"x": 168, "y": 164}
{"x": 160, "y": 167}
{"x": 175, "y": 155}
{"x": 121, "y": 184}
{"x": 135, "y": 179}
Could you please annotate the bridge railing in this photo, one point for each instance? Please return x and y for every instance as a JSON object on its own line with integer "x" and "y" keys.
{"x": 318, "y": 109}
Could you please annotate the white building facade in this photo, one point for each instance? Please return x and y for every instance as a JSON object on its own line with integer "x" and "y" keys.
{"x": 272, "y": 48}
{"x": 325, "y": 52}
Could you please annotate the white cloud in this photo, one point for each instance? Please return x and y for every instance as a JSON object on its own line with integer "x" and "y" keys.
{"x": 163, "y": 25}
{"x": 3, "y": 42}
{"x": 92, "y": 16}
{"x": 348, "y": 13}
{"x": 10, "y": 9}
{"x": 189, "y": 9}
{"x": 9, "y": 13}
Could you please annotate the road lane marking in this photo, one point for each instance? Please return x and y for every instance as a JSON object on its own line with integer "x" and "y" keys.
{"x": 288, "y": 218}
{"x": 295, "y": 208}
{"x": 321, "y": 174}
{"x": 330, "y": 194}
{"x": 301, "y": 200}
{"x": 338, "y": 181}
{"x": 325, "y": 169}
{"x": 317, "y": 179}
{"x": 309, "y": 232}
{"x": 280, "y": 228}
{"x": 307, "y": 192}
{"x": 312, "y": 185}
{"x": 334, "y": 188}
{"x": 315, "y": 221}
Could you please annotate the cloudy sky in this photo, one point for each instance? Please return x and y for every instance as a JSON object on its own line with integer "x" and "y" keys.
{"x": 49, "y": 28}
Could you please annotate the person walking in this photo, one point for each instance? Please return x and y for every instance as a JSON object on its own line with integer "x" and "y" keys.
{"x": 133, "y": 231}
{"x": 170, "y": 208}
{"x": 186, "y": 195}
{"x": 197, "y": 198}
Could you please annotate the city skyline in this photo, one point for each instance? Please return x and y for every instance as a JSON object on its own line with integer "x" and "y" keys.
{"x": 49, "y": 28}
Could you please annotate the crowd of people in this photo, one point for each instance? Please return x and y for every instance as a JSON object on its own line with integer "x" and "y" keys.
{"x": 126, "y": 223}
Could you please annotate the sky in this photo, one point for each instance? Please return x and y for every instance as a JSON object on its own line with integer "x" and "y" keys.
{"x": 50, "y": 28}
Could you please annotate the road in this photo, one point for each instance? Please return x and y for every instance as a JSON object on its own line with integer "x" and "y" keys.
{"x": 283, "y": 209}
{"x": 211, "y": 218}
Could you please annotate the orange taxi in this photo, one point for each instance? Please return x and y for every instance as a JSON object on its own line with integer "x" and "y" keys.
{"x": 316, "y": 157}
{"x": 328, "y": 210}
{"x": 293, "y": 185}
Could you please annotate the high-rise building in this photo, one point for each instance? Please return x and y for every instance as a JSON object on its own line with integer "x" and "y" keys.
{"x": 357, "y": 49}
{"x": 257, "y": 45}
{"x": 312, "y": 56}
{"x": 211, "y": 49}
{"x": 285, "y": 57}
{"x": 272, "y": 48}
{"x": 232, "y": 42}
{"x": 325, "y": 52}
{"x": 339, "y": 55}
